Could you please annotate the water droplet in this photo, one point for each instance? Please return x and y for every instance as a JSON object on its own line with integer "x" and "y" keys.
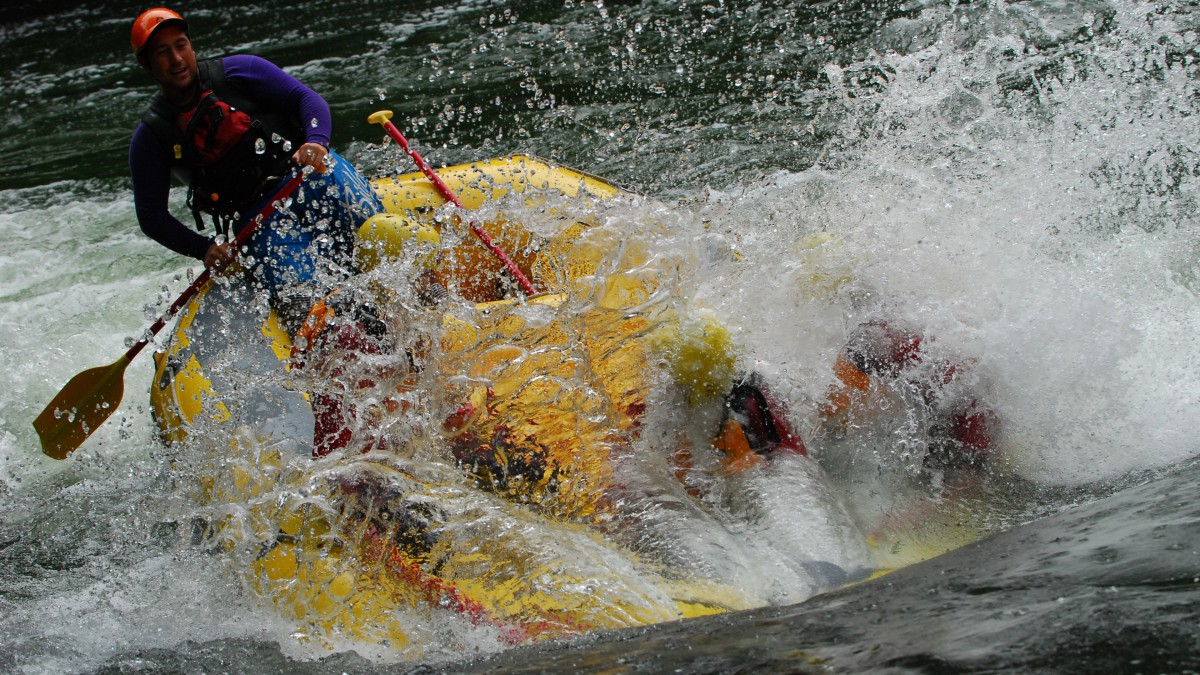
{"x": 276, "y": 138}
{"x": 287, "y": 146}
{"x": 313, "y": 123}
{"x": 260, "y": 146}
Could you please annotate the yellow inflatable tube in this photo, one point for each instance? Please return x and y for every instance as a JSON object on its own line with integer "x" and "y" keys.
{"x": 333, "y": 590}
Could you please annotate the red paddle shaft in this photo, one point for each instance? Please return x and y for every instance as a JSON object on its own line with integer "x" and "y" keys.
{"x": 383, "y": 117}
{"x": 202, "y": 279}
{"x": 89, "y": 398}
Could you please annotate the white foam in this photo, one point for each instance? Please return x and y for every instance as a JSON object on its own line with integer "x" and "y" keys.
{"x": 1049, "y": 234}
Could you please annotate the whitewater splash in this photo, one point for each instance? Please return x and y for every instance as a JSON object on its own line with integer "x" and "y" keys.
{"x": 512, "y": 482}
{"x": 1032, "y": 207}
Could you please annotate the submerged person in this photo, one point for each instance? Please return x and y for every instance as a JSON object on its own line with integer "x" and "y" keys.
{"x": 232, "y": 128}
{"x": 880, "y": 354}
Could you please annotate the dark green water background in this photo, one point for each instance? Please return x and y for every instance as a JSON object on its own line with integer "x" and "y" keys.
{"x": 657, "y": 95}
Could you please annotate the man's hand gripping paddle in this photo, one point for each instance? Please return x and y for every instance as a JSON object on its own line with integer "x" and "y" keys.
{"x": 384, "y": 118}
{"x": 91, "y": 396}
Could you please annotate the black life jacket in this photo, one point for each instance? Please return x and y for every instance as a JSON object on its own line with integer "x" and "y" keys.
{"x": 228, "y": 149}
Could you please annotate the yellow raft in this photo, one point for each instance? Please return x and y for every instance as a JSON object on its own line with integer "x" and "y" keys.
{"x": 487, "y": 492}
{"x": 489, "y": 481}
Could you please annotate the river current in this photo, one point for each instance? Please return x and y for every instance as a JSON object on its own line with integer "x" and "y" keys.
{"x": 1018, "y": 179}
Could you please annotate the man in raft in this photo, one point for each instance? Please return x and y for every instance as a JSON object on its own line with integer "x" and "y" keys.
{"x": 232, "y": 129}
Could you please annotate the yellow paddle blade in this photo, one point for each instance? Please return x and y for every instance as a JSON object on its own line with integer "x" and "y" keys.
{"x": 82, "y": 406}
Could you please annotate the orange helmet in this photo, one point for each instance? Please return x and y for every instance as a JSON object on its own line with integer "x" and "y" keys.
{"x": 150, "y": 21}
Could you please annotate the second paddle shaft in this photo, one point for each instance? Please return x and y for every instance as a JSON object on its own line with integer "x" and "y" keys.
{"x": 383, "y": 117}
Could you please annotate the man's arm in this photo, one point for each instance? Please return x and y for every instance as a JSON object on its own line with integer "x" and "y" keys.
{"x": 267, "y": 82}
{"x": 151, "y": 173}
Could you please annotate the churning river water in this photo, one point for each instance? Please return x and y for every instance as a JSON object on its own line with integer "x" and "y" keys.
{"x": 1020, "y": 179}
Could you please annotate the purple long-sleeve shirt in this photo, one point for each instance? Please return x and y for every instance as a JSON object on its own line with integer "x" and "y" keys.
{"x": 150, "y": 161}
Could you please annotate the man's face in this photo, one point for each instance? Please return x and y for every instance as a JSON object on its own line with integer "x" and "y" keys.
{"x": 171, "y": 61}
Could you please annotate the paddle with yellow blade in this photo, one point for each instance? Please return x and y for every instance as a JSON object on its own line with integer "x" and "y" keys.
{"x": 384, "y": 119}
{"x": 91, "y": 396}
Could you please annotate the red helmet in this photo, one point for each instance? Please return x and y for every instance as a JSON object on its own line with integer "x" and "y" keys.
{"x": 150, "y": 21}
